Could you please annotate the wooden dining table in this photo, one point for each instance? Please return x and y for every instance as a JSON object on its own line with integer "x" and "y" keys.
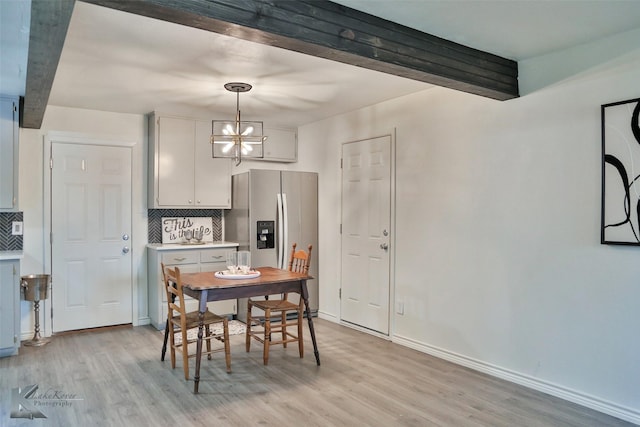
{"x": 207, "y": 287}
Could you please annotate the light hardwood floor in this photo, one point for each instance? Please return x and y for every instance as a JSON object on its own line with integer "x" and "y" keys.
{"x": 363, "y": 381}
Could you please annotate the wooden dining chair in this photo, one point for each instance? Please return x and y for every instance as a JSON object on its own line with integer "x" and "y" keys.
{"x": 179, "y": 322}
{"x": 299, "y": 263}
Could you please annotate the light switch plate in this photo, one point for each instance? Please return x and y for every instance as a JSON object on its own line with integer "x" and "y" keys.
{"x": 16, "y": 228}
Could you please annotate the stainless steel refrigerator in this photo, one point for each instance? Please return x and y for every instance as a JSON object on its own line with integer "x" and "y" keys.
{"x": 270, "y": 211}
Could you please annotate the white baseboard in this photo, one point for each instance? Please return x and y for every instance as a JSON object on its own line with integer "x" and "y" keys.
{"x": 327, "y": 316}
{"x": 588, "y": 401}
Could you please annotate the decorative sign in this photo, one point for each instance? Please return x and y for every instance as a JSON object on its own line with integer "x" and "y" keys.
{"x": 176, "y": 230}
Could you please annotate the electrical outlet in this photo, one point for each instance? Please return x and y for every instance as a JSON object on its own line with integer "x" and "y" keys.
{"x": 16, "y": 228}
{"x": 399, "y": 307}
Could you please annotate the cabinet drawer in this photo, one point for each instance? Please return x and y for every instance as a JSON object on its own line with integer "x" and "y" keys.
{"x": 180, "y": 257}
{"x": 214, "y": 255}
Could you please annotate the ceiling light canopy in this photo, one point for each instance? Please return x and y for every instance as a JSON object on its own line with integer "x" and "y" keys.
{"x": 236, "y": 138}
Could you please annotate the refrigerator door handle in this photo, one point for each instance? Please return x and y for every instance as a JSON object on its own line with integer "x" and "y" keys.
{"x": 279, "y": 237}
{"x": 285, "y": 239}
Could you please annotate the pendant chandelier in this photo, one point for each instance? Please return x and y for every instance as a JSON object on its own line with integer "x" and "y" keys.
{"x": 237, "y": 139}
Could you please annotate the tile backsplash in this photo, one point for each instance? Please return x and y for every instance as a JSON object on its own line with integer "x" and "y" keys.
{"x": 9, "y": 242}
{"x": 155, "y": 220}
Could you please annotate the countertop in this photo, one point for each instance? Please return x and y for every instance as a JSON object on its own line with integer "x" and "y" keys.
{"x": 179, "y": 247}
{"x": 10, "y": 255}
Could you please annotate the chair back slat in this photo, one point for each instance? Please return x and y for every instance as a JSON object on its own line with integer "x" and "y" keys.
{"x": 173, "y": 288}
{"x": 300, "y": 260}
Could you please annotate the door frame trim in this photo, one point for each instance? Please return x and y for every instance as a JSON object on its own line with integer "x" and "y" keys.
{"x": 50, "y": 138}
{"x": 392, "y": 250}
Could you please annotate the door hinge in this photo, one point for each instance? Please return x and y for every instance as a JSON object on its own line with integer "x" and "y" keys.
{"x": 339, "y": 293}
{"x": 50, "y": 162}
{"x": 340, "y": 228}
{"x": 340, "y": 163}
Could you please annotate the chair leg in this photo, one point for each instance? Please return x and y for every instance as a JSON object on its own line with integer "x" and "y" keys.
{"x": 247, "y": 336}
{"x": 300, "y": 340}
{"x": 172, "y": 348}
{"x": 267, "y": 336}
{"x": 283, "y": 322}
{"x": 227, "y": 345}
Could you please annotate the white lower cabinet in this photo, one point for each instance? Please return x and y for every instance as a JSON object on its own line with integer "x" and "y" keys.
{"x": 9, "y": 307}
{"x": 188, "y": 261}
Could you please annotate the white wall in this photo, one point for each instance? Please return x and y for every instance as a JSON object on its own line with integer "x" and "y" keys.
{"x": 97, "y": 125}
{"x": 497, "y": 252}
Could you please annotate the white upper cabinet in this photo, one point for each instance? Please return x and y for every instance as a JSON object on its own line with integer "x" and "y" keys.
{"x": 182, "y": 173}
{"x": 212, "y": 176}
{"x": 9, "y": 154}
{"x": 281, "y": 145}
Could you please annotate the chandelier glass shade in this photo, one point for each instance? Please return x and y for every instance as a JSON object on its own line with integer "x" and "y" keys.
{"x": 237, "y": 139}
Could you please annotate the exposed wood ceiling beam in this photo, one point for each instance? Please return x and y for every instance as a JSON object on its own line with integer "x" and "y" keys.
{"x": 49, "y": 24}
{"x": 315, "y": 27}
{"x": 329, "y": 30}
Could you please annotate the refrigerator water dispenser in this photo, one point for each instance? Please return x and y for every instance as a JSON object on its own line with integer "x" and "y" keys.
{"x": 266, "y": 235}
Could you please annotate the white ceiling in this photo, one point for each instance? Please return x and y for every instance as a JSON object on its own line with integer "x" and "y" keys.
{"x": 116, "y": 61}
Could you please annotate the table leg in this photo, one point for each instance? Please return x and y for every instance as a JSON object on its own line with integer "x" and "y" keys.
{"x": 166, "y": 338}
{"x": 202, "y": 309}
{"x": 305, "y": 297}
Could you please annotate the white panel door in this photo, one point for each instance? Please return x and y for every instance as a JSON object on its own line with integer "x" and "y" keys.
{"x": 91, "y": 223}
{"x": 366, "y": 219}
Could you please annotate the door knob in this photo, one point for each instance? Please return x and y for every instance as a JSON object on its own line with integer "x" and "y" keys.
{"x": 125, "y": 250}
{"x": 384, "y": 246}
{"x": 125, "y": 237}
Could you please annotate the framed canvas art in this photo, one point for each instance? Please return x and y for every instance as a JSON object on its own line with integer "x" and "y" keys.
{"x": 621, "y": 173}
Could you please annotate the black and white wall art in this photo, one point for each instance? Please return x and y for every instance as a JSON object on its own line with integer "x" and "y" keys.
{"x": 621, "y": 173}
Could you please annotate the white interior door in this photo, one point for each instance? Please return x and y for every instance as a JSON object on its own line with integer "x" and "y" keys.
{"x": 91, "y": 265}
{"x": 366, "y": 219}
